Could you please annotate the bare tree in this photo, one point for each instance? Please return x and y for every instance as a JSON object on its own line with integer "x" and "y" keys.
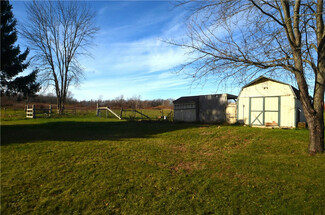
{"x": 239, "y": 39}
{"x": 58, "y": 32}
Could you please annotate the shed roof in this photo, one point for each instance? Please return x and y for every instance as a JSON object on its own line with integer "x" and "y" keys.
{"x": 295, "y": 91}
{"x": 185, "y": 99}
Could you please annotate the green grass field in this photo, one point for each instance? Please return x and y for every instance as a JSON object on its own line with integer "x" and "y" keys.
{"x": 106, "y": 166}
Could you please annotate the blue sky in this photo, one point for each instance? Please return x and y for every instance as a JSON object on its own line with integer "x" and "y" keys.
{"x": 129, "y": 57}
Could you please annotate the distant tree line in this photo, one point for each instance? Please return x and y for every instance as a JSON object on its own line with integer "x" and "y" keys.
{"x": 119, "y": 102}
{"x": 134, "y": 102}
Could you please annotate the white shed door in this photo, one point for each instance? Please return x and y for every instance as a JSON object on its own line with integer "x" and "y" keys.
{"x": 257, "y": 111}
{"x": 271, "y": 111}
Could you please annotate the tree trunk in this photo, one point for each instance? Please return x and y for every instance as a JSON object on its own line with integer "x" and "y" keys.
{"x": 60, "y": 105}
{"x": 313, "y": 110}
{"x": 60, "y": 109}
{"x": 316, "y": 134}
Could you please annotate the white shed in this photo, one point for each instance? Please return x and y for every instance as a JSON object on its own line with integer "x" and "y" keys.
{"x": 268, "y": 102}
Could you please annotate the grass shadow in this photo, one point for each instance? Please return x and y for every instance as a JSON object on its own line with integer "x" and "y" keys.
{"x": 83, "y": 131}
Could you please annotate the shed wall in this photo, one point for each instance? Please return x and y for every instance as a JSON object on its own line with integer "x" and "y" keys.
{"x": 300, "y": 116}
{"x": 187, "y": 115}
{"x": 212, "y": 108}
{"x": 288, "y": 111}
{"x": 266, "y": 88}
{"x": 243, "y": 110}
{"x": 231, "y": 113}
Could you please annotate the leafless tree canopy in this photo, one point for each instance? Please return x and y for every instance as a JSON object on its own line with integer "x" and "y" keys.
{"x": 238, "y": 34}
{"x": 239, "y": 39}
{"x": 58, "y": 32}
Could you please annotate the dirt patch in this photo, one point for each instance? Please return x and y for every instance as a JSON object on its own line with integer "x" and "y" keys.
{"x": 179, "y": 148}
{"x": 206, "y": 133}
{"x": 183, "y": 166}
{"x": 207, "y": 153}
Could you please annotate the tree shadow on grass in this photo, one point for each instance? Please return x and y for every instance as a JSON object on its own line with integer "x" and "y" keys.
{"x": 83, "y": 131}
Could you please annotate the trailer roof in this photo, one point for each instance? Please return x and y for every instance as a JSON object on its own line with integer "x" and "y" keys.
{"x": 185, "y": 99}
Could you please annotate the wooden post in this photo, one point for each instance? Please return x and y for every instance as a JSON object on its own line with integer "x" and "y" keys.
{"x": 26, "y": 106}
{"x": 50, "y": 110}
{"x": 97, "y": 110}
{"x": 34, "y": 113}
{"x": 121, "y": 113}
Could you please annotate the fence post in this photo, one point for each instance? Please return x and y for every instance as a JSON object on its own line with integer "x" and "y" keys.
{"x": 97, "y": 110}
{"x": 34, "y": 113}
{"x": 50, "y": 110}
{"x": 121, "y": 113}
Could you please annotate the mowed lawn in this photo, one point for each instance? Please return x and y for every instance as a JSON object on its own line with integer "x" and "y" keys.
{"x": 105, "y": 166}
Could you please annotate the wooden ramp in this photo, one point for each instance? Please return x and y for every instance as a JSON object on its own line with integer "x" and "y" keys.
{"x": 107, "y": 109}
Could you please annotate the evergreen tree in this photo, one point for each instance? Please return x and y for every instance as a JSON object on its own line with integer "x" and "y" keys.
{"x": 12, "y": 60}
